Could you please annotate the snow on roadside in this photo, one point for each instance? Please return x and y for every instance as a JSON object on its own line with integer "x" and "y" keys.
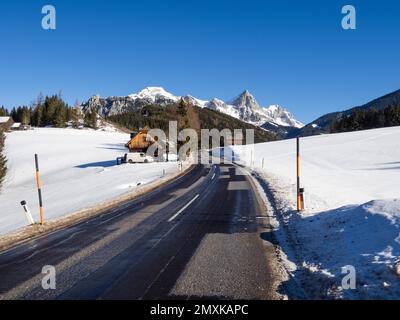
{"x": 78, "y": 171}
{"x": 352, "y": 183}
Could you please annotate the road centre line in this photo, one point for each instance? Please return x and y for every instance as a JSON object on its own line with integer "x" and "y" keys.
{"x": 183, "y": 209}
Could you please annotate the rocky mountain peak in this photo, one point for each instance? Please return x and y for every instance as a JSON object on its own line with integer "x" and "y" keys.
{"x": 245, "y": 100}
{"x": 244, "y": 107}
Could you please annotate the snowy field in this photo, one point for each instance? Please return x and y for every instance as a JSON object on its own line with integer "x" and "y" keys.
{"x": 78, "y": 171}
{"x": 352, "y": 217}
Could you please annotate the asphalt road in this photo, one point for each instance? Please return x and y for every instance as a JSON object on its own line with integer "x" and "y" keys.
{"x": 196, "y": 237}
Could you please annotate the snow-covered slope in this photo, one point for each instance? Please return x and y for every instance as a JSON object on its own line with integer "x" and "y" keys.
{"x": 341, "y": 169}
{"x": 78, "y": 170}
{"x": 244, "y": 107}
{"x": 352, "y": 217}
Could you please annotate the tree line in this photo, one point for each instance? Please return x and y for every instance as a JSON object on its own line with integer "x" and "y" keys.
{"x": 187, "y": 116}
{"x": 4, "y": 112}
{"x": 364, "y": 119}
{"x": 52, "y": 111}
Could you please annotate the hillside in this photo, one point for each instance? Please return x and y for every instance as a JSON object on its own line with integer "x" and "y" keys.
{"x": 323, "y": 124}
{"x": 364, "y": 119}
{"x": 188, "y": 116}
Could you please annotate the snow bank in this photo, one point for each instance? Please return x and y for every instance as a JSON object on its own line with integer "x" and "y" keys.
{"x": 366, "y": 237}
{"x": 78, "y": 171}
{"x": 340, "y": 169}
{"x": 352, "y": 217}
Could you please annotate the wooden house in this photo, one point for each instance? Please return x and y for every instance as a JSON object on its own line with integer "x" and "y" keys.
{"x": 6, "y": 123}
{"x": 140, "y": 142}
{"x": 16, "y": 126}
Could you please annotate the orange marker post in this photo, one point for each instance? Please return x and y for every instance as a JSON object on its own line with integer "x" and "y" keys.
{"x": 299, "y": 202}
{"x": 39, "y": 190}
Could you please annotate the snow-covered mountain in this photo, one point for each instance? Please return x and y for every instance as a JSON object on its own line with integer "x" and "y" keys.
{"x": 117, "y": 105}
{"x": 219, "y": 105}
{"x": 244, "y": 107}
{"x": 250, "y": 111}
{"x": 282, "y": 117}
{"x": 155, "y": 95}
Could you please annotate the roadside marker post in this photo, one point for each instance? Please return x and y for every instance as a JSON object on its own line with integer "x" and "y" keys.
{"x": 301, "y": 199}
{"x": 167, "y": 150}
{"x": 27, "y": 212}
{"x": 300, "y": 191}
{"x": 39, "y": 190}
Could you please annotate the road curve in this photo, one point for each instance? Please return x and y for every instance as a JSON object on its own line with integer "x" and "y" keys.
{"x": 196, "y": 237}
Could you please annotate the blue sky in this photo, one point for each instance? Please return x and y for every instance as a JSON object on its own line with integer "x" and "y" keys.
{"x": 292, "y": 53}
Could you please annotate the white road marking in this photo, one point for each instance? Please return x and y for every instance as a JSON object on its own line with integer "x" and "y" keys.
{"x": 213, "y": 177}
{"x": 183, "y": 209}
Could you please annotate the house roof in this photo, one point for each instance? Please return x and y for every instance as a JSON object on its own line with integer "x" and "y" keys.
{"x": 16, "y": 125}
{"x": 4, "y": 119}
{"x": 141, "y": 141}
